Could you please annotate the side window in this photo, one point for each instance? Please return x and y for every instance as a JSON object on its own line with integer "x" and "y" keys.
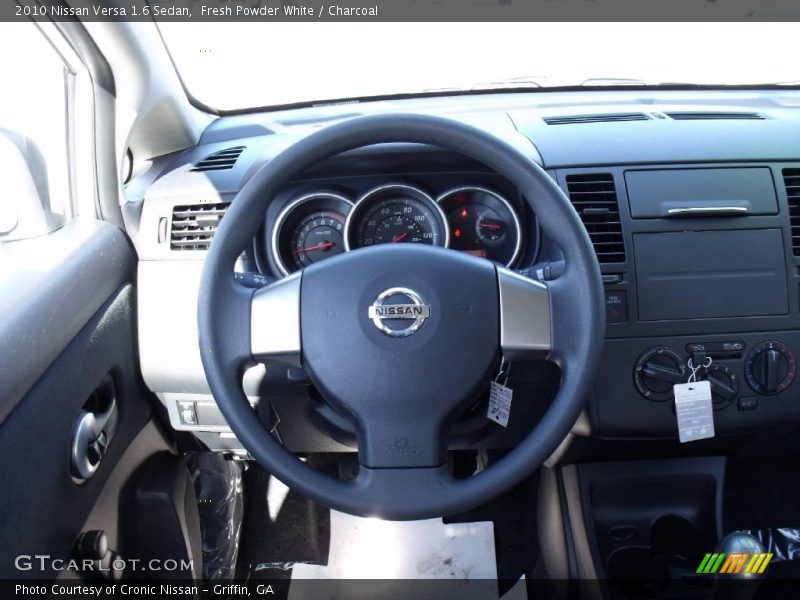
{"x": 36, "y": 188}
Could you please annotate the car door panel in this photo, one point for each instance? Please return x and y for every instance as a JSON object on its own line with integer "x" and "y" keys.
{"x": 49, "y": 288}
{"x": 67, "y": 325}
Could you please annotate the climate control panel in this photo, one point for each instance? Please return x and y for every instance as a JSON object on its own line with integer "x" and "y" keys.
{"x": 769, "y": 368}
{"x": 752, "y": 376}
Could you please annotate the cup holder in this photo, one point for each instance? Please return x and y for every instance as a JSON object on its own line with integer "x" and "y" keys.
{"x": 676, "y": 546}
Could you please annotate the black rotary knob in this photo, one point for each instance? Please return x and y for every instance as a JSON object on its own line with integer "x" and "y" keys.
{"x": 656, "y": 371}
{"x": 724, "y": 384}
{"x": 770, "y": 368}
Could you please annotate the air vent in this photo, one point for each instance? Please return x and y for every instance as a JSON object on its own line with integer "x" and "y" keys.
{"x": 608, "y": 118}
{"x": 594, "y": 197}
{"x": 193, "y": 225}
{"x": 791, "y": 178}
{"x": 716, "y": 116}
{"x": 219, "y": 161}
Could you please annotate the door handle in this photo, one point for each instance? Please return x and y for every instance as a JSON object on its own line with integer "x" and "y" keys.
{"x": 94, "y": 427}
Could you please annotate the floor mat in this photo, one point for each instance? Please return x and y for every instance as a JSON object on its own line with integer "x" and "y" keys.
{"x": 376, "y": 549}
{"x": 445, "y": 555}
{"x": 281, "y": 528}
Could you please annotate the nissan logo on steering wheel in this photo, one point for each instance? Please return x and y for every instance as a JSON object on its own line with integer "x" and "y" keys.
{"x": 396, "y": 306}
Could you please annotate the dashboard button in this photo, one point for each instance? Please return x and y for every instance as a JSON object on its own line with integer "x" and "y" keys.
{"x": 748, "y": 403}
{"x": 616, "y": 307}
{"x": 186, "y": 413}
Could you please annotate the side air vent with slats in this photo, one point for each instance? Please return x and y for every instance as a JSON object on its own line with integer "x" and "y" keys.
{"x": 219, "y": 161}
{"x": 193, "y": 225}
{"x": 594, "y": 197}
{"x": 607, "y": 118}
{"x": 791, "y": 177}
{"x": 715, "y": 116}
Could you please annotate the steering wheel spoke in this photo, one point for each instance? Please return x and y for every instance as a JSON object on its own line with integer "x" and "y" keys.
{"x": 275, "y": 322}
{"x": 399, "y": 488}
{"x": 525, "y": 316}
{"x": 394, "y": 441}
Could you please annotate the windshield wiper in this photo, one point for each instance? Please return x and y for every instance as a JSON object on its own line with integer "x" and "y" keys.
{"x": 611, "y": 81}
{"x": 512, "y": 83}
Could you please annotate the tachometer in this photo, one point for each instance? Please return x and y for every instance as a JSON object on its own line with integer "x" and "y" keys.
{"x": 483, "y": 223}
{"x": 309, "y": 229}
{"x": 396, "y": 214}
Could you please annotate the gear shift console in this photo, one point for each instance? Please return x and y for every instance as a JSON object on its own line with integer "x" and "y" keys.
{"x": 738, "y": 584}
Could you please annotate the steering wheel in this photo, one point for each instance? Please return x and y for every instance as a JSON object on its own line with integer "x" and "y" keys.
{"x": 402, "y": 390}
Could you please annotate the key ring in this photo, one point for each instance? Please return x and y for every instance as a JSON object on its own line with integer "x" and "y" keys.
{"x": 694, "y": 370}
{"x": 505, "y": 369}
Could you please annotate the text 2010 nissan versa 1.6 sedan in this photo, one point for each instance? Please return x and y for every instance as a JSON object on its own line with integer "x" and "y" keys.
{"x": 510, "y": 310}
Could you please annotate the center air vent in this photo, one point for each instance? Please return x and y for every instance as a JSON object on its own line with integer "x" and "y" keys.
{"x": 715, "y": 116}
{"x": 594, "y": 197}
{"x": 607, "y": 118}
{"x": 219, "y": 161}
{"x": 193, "y": 225}
{"x": 791, "y": 178}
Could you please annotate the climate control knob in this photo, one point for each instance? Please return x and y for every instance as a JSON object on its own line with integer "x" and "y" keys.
{"x": 770, "y": 368}
{"x": 724, "y": 384}
{"x": 656, "y": 371}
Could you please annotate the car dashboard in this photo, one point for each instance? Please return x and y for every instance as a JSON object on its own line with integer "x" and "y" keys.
{"x": 691, "y": 200}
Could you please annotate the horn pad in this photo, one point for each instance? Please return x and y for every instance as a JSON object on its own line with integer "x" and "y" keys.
{"x": 400, "y": 334}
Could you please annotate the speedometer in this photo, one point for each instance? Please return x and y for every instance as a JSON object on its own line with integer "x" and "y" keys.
{"x": 396, "y": 214}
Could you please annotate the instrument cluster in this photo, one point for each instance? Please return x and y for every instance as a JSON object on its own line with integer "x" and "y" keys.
{"x": 472, "y": 219}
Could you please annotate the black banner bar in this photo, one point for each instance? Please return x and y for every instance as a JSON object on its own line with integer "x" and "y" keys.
{"x": 401, "y": 10}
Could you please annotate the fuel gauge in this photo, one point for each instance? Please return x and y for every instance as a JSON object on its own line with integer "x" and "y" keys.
{"x": 490, "y": 227}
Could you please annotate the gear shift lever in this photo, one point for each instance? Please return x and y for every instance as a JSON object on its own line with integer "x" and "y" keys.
{"x": 741, "y": 585}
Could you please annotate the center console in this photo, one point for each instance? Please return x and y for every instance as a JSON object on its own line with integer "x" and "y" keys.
{"x": 704, "y": 272}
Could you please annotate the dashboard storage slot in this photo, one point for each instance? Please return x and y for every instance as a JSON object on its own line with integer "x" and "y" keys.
{"x": 710, "y": 274}
{"x": 681, "y": 193}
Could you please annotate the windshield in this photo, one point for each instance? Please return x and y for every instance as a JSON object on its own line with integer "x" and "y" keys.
{"x": 241, "y": 65}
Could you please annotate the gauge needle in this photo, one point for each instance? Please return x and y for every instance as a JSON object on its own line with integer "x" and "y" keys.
{"x": 321, "y": 246}
{"x": 399, "y": 238}
{"x": 491, "y": 226}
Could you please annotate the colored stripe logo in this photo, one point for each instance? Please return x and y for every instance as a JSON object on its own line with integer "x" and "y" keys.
{"x": 735, "y": 562}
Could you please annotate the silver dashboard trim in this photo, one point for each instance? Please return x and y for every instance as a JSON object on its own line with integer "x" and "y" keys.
{"x": 525, "y": 323}
{"x": 275, "y": 321}
{"x": 707, "y": 210}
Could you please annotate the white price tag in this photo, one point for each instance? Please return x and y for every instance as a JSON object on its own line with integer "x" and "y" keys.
{"x": 499, "y": 403}
{"x": 694, "y": 411}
